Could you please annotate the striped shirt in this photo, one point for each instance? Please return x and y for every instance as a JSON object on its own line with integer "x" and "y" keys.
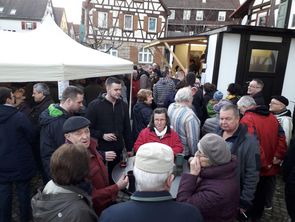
{"x": 187, "y": 125}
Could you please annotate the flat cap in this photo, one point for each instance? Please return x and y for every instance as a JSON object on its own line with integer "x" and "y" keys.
{"x": 75, "y": 123}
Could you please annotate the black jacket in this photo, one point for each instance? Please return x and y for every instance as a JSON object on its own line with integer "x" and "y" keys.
{"x": 38, "y": 109}
{"x": 15, "y": 145}
{"x": 51, "y": 135}
{"x": 141, "y": 117}
{"x": 106, "y": 118}
{"x": 289, "y": 164}
{"x": 259, "y": 99}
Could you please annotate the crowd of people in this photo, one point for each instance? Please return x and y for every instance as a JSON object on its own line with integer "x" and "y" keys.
{"x": 235, "y": 146}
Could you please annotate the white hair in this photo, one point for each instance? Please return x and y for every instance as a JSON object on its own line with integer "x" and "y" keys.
{"x": 150, "y": 181}
{"x": 246, "y": 101}
{"x": 184, "y": 95}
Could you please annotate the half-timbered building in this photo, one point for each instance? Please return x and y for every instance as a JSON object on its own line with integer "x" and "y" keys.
{"x": 123, "y": 27}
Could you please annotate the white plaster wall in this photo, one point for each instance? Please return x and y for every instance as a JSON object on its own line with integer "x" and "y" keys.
{"x": 228, "y": 61}
{"x": 13, "y": 25}
{"x": 289, "y": 81}
{"x": 210, "y": 59}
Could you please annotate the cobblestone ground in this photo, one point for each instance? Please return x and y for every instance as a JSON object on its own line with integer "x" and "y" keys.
{"x": 277, "y": 214}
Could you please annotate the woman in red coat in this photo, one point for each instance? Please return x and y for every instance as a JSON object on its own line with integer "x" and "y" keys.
{"x": 159, "y": 131}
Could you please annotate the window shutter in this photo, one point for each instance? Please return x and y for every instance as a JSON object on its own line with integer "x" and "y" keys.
{"x": 23, "y": 25}
{"x": 135, "y": 22}
{"x": 133, "y": 54}
{"x": 95, "y": 19}
{"x": 145, "y": 24}
{"x": 110, "y": 20}
{"x": 159, "y": 25}
{"x": 34, "y": 25}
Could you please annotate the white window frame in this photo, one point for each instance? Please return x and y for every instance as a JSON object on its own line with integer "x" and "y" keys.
{"x": 145, "y": 56}
{"x": 1, "y": 9}
{"x": 12, "y": 12}
{"x": 221, "y": 16}
{"x": 149, "y": 25}
{"x": 199, "y": 15}
{"x": 186, "y": 15}
{"x": 172, "y": 15}
{"x": 102, "y": 20}
{"x": 105, "y": 47}
{"x": 130, "y": 28}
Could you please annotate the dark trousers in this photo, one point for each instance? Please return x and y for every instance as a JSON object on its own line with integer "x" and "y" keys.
{"x": 261, "y": 193}
{"x": 290, "y": 200}
{"x": 24, "y": 200}
{"x": 270, "y": 191}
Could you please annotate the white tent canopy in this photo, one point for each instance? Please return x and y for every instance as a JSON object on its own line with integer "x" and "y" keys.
{"x": 48, "y": 54}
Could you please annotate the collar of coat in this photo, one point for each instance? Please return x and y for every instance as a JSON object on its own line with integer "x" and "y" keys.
{"x": 152, "y": 196}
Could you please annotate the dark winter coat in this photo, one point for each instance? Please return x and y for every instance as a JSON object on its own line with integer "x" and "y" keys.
{"x": 289, "y": 165}
{"x": 51, "y": 135}
{"x": 38, "y": 109}
{"x": 71, "y": 206}
{"x": 15, "y": 145}
{"x": 259, "y": 99}
{"x": 142, "y": 113}
{"x": 151, "y": 207}
{"x": 215, "y": 192}
{"x": 106, "y": 118}
{"x": 246, "y": 148}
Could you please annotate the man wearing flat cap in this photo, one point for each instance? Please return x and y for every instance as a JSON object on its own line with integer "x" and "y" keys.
{"x": 278, "y": 106}
{"x": 76, "y": 131}
{"x": 152, "y": 201}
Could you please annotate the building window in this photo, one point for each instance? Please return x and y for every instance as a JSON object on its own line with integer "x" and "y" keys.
{"x": 199, "y": 15}
{"x": 145, "y": 56}
{"x": 221, "y": 16}
{"x": 152, "y": 25}
{"x": 29, "y": 25}
{"x": 186, "y": 14}
{"x": 263, "y": 60}
{"x": 128, "y": 22}
{"x": 172, "y": 15}
{"x": 102, "y": 19}
{"x": 13, "y": 11}
{"x": 1, "y": 9}
{"x": 106, "y": 48}
{"x": 293, "y": 21}
{"x": 261, "y": 19}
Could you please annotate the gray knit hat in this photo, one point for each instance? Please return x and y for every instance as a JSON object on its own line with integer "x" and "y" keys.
{"x": 215, "y": 148}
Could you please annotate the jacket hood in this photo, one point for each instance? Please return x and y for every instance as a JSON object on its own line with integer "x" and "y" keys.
{"x": 261, "y": 110}
{"x": 6, "y": 112}
{"x": 47, "y": 207}
{"x": 51, "y": 114}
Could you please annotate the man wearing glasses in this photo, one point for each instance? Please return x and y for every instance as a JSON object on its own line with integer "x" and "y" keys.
{"x": 255, "y": 91}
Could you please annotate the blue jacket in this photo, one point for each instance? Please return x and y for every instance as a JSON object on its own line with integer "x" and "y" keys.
{"x": 15, "y": 145}
{"x": 51, "y": 135}
{"x": 151, "y": 207}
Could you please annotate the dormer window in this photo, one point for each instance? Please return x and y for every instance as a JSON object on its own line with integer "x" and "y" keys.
{"x": 13, "y": 11}
{"x": 221, "y": 16}
{"x": 1, "y": 9}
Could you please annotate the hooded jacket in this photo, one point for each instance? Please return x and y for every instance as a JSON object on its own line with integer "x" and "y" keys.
{"x": 65, "y": 204}
{"x": 15, "y": 145}
{"x": 51, "y": 135}
{"x": 270, "y": 135}
{"x": 142, "y": 113}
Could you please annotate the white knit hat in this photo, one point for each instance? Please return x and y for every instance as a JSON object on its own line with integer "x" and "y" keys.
{"x": 154, "y": 158}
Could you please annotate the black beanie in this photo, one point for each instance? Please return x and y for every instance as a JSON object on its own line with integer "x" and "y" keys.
{"x": 282, "y": 99}
{"x": 75, "y": 123}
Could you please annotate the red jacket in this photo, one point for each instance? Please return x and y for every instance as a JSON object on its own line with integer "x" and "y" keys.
{"x": 170, "y": 138}
{"x": 103, "y": 194}
{"x": 270, "y": 135}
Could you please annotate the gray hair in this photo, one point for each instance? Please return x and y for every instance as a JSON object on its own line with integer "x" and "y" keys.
{"x": 232, "y": 107}
{"x": 150, "y": 181}
{"x": 184, "y": 95}
{"x": 246, "y": 101}
{"x": 42, "y": 88}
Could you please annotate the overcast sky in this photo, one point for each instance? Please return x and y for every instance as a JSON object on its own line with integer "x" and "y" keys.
{"x": 72, "y": 7}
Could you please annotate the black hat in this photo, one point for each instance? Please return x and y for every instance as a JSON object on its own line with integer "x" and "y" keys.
{"x": 282, "y": 99}
{"x": 75, "y": 123}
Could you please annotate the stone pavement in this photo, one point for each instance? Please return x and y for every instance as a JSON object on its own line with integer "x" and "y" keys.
{"x": 277, "y": 214}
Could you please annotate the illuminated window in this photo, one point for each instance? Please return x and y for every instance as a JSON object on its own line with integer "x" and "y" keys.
{"x": 263, "y": 60}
